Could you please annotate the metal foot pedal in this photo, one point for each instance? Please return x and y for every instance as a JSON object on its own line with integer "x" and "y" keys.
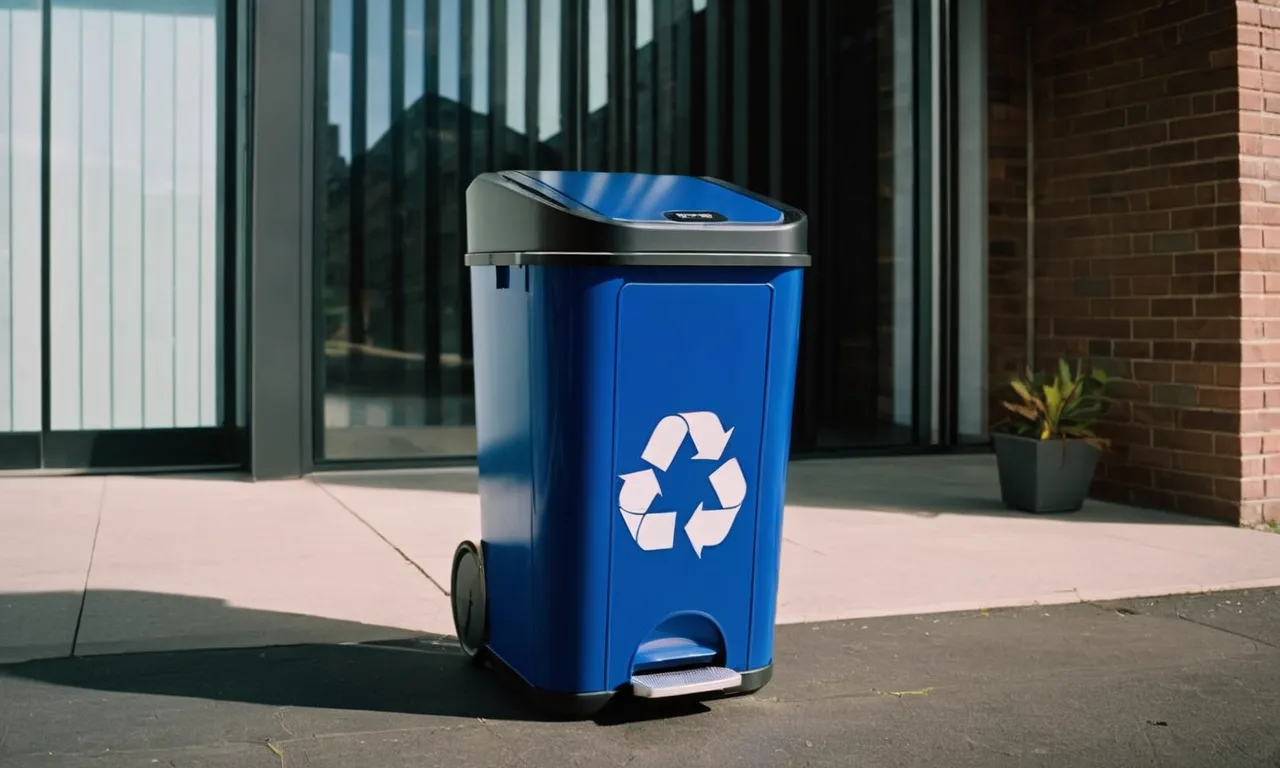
{"x": 660, "y": 685}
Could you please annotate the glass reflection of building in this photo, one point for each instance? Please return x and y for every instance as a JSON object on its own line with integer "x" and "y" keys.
{"x": 772, "y": 96}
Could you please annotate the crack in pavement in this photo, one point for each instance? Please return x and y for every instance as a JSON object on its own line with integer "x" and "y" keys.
{"x": 1116, "y": 607}
{"x": 88, "y": 571}
{"x": 1232, "y": 632}
{"x": 444, "y": 591}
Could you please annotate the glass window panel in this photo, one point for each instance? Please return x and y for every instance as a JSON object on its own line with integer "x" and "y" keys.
{"x": 134, "y": 253}
{"x": 549, "y": 106}
{"x": 126, "y": 217}
{"x": 810, "y": 102}
{"x": 420, "y": 96}
{"x": 66, "y": 381}
{"x": 598, "y": 67}
{"x": 480, "y": 57}
{"x": 517, "y": 53}
{"x": 643, "y": 65}
{"x": 806, "y": 101}
{"x": 21, "y": 145}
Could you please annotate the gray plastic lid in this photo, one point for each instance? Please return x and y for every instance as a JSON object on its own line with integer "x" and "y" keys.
{"x": 581, "y": 218}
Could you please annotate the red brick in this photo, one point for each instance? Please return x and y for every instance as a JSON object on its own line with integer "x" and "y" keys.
{"x": 1195, "y": 373}
{"x": 1184, "y": 440}
{"x": 1154, "y": 372}
{"x": 1184, "y": 482}
{"x": 1145, "y": 414}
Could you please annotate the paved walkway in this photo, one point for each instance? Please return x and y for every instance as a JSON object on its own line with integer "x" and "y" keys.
{"x": 93, "y": 565}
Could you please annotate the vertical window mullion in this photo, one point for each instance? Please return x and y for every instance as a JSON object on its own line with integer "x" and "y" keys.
{"x": 571, "y": 91}
{"x": 715, "y": 84}
{"x": 776, "y": 65}
{"x": 533, "y": 83}
{"x": 433, "y": 212}
{"x": 740, "y": 72}
{"x": 396, "y": 288}
{"x": 682, "y": 46}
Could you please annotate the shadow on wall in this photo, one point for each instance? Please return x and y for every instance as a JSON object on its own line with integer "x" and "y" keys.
{"x": 452, "y": 480}
{"x": 426, "y": 675}
{"x": 920, "y": 486}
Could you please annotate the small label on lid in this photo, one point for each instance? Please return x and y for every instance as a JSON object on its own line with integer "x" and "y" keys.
{"x": 694, "y": 217}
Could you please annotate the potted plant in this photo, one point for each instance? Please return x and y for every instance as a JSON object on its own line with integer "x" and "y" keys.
{"x": 1048, "y": 452}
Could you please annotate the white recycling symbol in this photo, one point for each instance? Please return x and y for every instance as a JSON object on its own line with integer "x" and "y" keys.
{"x": 708, "y": 527}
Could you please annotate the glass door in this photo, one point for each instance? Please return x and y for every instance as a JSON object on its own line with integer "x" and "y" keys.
{"x": 114, "y": 318}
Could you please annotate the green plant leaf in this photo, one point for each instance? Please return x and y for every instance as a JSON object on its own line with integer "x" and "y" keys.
{"x": 1024, "y": 411}
{"x": 1060, "y": 403}
{"x": 1052, "y": 401}
{"x": 1023, "y": 391}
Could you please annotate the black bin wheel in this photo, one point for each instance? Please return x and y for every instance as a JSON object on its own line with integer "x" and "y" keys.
{"x": 470, "y": 601}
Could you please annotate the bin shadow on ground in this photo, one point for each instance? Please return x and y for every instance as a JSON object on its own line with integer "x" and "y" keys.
{"x": 426, "y": 675}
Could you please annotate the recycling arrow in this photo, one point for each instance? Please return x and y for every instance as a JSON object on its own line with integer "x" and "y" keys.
{"x": 651, "y": 530}
{"x": 707, "y": 527}
{"x": 709, "y": 437}
{"x": 639, "y": 489}
{"x": 665, "y": 442}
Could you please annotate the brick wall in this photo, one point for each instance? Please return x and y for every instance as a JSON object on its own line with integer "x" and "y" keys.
{"x": 1138, "y": 238}
{"x": 1006, "y": 193}
{"x": 1136, "y": 259}
{"x": 1258, "y": 60}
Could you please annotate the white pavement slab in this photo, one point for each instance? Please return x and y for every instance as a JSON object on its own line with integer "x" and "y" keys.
{"x": 198, "y": 563}
{"x": 424, "y": 513}
{"x": 876, "y": 537}
{"x": 46, "y": 538}
{"x": 891, "y": 536}
{"x": 184, "y": 563}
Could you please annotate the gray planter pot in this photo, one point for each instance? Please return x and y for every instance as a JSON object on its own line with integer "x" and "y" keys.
{"x": 1044, "y": 476}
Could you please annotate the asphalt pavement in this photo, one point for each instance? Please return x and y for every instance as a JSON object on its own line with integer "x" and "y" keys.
{"x": 1184, "y": 681}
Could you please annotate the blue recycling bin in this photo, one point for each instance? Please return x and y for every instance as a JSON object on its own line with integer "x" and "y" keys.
{"x": 635, "y": 353}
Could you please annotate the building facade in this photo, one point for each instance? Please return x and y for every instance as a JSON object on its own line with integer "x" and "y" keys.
{"x": 232, "y": 231}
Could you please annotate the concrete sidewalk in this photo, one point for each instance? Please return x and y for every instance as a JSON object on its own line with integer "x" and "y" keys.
{"x": 94, "y": 565}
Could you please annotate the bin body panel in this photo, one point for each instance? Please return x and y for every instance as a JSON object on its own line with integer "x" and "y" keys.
{"x": 691, "y": 369}
{"x": 577, "y": 368}
{"x": 636, "y": 345}
{"x": 572, "y": 320}
{"x": 504, "y": 446}
{"x": 775, "y": 453}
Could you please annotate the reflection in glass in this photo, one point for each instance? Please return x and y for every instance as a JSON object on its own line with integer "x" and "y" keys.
{"x": 642, "y": 67}
{"x": 809, "y": 102}
{"x": 598, "y": 116}
{"x": 420, "y": 96}
{"x": 806, "y": 101}
{"x": 21, "y": 379}
{"x": 135, "y": 258}
{"x": 517, "y": 58}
